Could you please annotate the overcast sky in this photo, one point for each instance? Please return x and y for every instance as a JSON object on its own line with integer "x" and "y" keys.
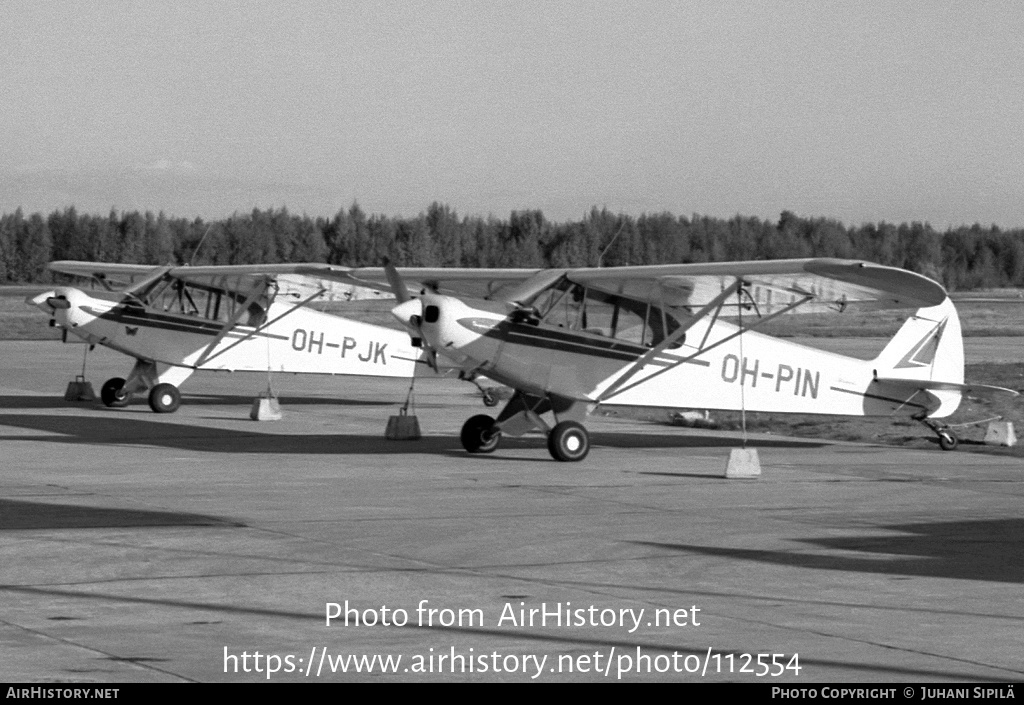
{"x": 862, "y": 111}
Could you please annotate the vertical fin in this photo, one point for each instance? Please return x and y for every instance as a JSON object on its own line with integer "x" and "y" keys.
{"x": 929, "y": 347}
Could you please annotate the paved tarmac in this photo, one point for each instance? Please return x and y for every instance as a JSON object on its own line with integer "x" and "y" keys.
{"x": 163, "y": 548}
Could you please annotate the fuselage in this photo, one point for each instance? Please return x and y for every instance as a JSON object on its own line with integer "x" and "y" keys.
{"x": 283, "y": 338}
{"x": 711, "y": 368}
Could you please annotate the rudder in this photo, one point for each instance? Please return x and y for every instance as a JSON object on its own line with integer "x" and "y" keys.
{"x": 928, "y": 347}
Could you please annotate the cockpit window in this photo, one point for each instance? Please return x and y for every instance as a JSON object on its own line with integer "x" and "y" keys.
{"x": 575, "y": 307}
{"x": 173, "y": 295}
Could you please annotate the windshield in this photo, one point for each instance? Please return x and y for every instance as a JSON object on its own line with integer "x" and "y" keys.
{"x": 575, "y": 307}
{"x": 172, "y": 295}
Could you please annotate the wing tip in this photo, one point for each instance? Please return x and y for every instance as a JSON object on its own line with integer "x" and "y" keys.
{"x": 908, "y": 289}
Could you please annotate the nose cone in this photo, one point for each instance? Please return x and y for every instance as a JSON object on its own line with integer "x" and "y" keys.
{"x": 40, "y": 301}
{"x": 60, "y": 299}
{"x": 64, "y": 304}
{"x": 404, "y": 312}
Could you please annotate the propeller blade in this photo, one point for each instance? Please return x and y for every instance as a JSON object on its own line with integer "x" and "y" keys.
{"x": 396, "y": 283}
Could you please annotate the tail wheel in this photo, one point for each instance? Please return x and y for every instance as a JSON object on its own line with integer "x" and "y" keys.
{"x": 479, "y": 434}
{"x": 569, "y": 442}
{"x": 947, "y": 441}
{"x": 112, "y": 393}
{"x": 164, "y": 398}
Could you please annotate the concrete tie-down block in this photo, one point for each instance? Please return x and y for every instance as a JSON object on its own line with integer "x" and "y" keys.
{"x": 403, "y": 427}
{"x": 743, "y": 463}
{"x": 79, "y": 390}
{"x": 1000, "y": 433}
{"x": 265, "y": 409}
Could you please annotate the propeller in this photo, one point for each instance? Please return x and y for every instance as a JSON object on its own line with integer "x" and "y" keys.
{"x": 49, "y": 301}
{"x": 409, "y": 312}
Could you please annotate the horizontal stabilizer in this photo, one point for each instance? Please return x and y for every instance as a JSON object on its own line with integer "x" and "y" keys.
{"x": 976, "y": 390}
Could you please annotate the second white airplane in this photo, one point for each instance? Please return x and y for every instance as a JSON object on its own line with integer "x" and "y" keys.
{"x": 177, "y": 320}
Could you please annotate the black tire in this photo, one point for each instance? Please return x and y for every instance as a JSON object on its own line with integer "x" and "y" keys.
{"x": 490, "y": 398}
{"x": 569, "y": 442}
{"x": 164, "y": 398}
{"x": 112, "y": 393}
{"x": 479, "y": 435}
{"x": 947, "y": 441}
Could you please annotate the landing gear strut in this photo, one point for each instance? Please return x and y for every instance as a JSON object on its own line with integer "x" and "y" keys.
{"x": 489, "y": 395}
{"x": 947, "y": 439}
{"x": 160, "y": 379}
{"x": 568, "y": 440}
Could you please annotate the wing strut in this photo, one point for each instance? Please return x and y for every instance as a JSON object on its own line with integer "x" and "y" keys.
{"x": 206, "y": 356}
{"x": 716, "y": 304}
{"x": 230, "y": 323}
{"x": 617, "y": 387}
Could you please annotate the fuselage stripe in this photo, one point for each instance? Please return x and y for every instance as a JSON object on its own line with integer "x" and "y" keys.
{"x": 878, "y": 397}
{"x": 537, "y": 337}
{"x": 145, "y": 319}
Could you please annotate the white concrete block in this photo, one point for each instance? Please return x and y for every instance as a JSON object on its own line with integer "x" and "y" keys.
{"x": 1000, "y": 433}
{"x": 743, "y": 463}
{"x": 265, "y": 409}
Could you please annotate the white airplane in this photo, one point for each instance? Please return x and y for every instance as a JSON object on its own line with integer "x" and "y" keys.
{"x": 570, "y": 340}
{"x": 177, "y": 320}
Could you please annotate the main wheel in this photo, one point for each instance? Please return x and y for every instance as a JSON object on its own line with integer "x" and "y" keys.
{"x": 490, "y": 398}
{"x": 569, "y": 442}
{"x": 947, "y": 441}
{"x": 164, "y": 398}
{"x": 479, "y": 434}
{"x": 112, "y": 393}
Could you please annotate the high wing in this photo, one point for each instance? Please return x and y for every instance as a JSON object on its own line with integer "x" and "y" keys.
{"x": 769, "y": 285}
{"x": 289, "y": 281}
{"x": 110, "y": 275}
{"x": 300, "y": 280}
{"x": 772, "y": 285}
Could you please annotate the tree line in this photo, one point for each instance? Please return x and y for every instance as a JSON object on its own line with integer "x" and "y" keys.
{"x": 967, "y": 257}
